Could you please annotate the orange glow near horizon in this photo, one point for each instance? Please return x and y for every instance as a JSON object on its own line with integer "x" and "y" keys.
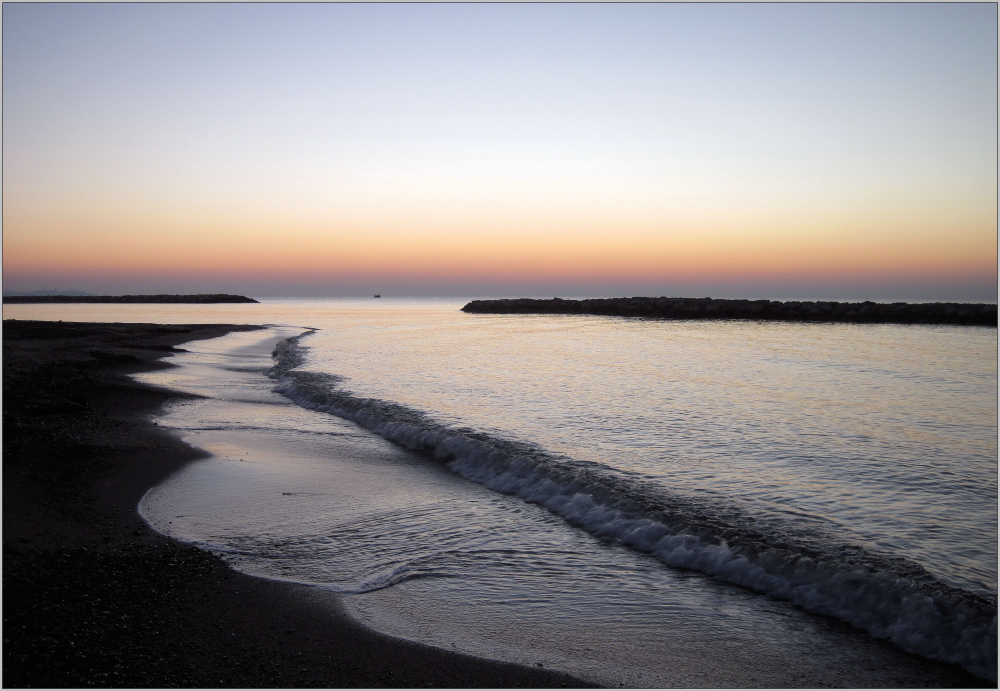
{"x": 584, "y": 256}
{"x": 440, "y": 247}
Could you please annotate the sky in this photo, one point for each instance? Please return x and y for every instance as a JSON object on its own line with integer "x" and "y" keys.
{"x": 580, "y": 150}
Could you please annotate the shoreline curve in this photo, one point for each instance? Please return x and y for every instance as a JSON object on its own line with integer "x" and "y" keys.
{"x": 94, "y": 596}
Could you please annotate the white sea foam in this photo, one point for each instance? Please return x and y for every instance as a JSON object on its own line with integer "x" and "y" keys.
{"x": 885, "y": 595}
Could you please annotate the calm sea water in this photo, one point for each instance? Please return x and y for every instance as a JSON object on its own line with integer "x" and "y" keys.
{"x": 637, "y": 502}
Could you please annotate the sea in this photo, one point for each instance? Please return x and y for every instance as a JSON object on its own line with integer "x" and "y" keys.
{"x": 640, "y": 503}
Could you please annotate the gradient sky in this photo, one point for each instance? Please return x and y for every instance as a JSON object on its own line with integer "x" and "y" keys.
{"x": 837, "y": 150}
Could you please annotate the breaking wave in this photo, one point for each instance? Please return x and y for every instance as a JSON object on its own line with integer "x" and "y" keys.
{"x": 801, "y": 561}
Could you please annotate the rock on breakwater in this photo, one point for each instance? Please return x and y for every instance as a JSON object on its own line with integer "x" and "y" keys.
{"x": 963, "y": 314}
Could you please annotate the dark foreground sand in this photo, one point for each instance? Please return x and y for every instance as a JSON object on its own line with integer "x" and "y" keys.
{"x": 93, "y": 597}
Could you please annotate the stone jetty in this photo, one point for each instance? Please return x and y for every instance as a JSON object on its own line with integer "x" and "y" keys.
{"x": 964, "y": 314}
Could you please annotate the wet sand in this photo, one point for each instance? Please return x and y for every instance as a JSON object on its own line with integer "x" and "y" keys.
{"x": 93, "y": 597}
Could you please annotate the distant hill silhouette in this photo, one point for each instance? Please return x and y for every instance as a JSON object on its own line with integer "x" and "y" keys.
{"x": 35, "y": 293}
{"x": 182, "y": 299}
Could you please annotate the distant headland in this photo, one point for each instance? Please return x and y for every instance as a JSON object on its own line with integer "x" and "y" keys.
{"x": 181, "y": 299}
{"x": 964, "y": 314}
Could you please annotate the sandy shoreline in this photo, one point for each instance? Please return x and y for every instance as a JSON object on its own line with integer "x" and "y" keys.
{"x": 93, "y": 597}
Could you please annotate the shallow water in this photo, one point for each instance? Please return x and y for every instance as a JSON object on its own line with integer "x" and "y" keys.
{"x": 638, "y": 488}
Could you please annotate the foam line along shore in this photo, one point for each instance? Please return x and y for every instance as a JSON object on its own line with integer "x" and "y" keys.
{"x": 888, "y": 596}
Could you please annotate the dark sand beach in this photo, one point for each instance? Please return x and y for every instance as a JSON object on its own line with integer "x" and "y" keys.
{"x": 93, "y": 597}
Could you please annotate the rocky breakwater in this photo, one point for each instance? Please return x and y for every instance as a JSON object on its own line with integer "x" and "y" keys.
{"x": 963, "y": 314}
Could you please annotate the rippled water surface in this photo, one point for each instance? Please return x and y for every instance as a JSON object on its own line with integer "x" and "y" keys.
{"x": 636, "y": 502}
{"x": 887, "y": 432}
